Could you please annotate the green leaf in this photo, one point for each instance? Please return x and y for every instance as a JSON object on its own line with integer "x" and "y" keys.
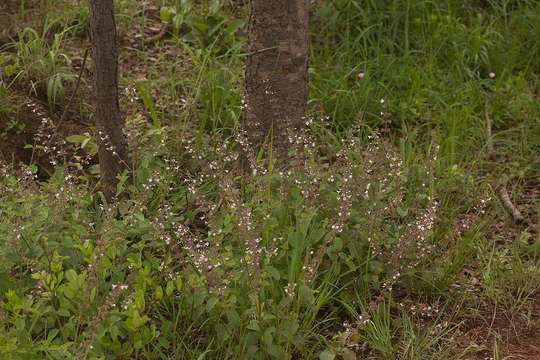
{"x": 376, "y": 267}
{"x": 63, "y": 313}
{"x": 85, "y": 141}
{"x": 269, "y": 317}
{"x": 402, "y": 212}
{"x": 305, "y": 295}
{"x": 268, "y": 336}
{"x": 185, "y": 5}
{"x": 55, "y": 89}
{"x": 94, "y": 169}
{"x": 337, "y": 245}
{"x": 234, "y": 25}
{"x": 233, "y": 318}
{"x": 148, "y": 101}
{"x": 214, "y": 6}
{"x": 169, "y": 288}
{"x": 273, "y": 272}
{"x": 254, "y": 325}
{"x": 179, "y": 283}
{"x": 37, "y": 276}
{"x": 199, "y": 24}
{"x": 51, "y": 335}
{"x": 178, "y": 21}
{"x": 166, "y": 13}
{"x": 135, "y": 320}
{"x": 158, "y": 292}
{"x": 222, "y": 332}
{"x": 290, "y": 327}
{"x": 77, "y": 139}
{"x": 71, "y": 275}
{"x": 211, "y": 303}
{"x": 10, "y": 70}
{"x": 327, "y": 355}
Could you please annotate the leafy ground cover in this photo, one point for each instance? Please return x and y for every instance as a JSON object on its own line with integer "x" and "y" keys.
{"x": 384, "y": 239}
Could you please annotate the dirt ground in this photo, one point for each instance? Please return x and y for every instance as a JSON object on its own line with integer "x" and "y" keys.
{"x": 509, "y": 338}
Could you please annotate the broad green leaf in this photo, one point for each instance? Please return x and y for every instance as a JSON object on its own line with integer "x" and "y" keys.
{"x": 327, "y": 355}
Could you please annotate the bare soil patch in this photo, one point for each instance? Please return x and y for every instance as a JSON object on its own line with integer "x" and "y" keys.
{"x": 515, "y": 338}
{"x": 20, "y": 129}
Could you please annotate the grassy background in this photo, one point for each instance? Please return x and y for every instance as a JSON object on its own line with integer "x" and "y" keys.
{"x": 432, "y": 72}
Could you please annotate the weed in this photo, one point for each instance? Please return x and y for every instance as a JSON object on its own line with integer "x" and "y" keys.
{"x": 41, "y": 64}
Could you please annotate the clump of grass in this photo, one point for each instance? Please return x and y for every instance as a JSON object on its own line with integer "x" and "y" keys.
{"x": 42, "y": 65}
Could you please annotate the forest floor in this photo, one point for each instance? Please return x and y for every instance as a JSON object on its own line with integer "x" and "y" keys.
{"x": 486, "y": 283}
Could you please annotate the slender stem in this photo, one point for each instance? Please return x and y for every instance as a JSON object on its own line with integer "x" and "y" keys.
{"x": 76, "y": 88}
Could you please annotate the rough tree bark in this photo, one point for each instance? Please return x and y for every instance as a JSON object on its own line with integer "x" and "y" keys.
{"x": 112, "y": 152}
{"x": 276, "y": 71}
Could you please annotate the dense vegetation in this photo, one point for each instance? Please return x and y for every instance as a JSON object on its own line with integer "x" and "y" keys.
{"x": 383, "y": 238}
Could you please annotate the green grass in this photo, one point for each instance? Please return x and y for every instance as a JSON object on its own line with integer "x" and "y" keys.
{"x": 426, "y": 69}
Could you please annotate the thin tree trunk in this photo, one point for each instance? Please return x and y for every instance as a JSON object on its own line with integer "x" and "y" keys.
{"x": 108, "y": 119}
{"x": 276, "y": 71}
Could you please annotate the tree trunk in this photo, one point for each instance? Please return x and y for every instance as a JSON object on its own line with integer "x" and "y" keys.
{"x": 113, "y": 158}
{"x": 276, "y": 71}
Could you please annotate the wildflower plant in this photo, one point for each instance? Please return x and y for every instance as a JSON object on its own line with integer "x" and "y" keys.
{"x": 257, "y": 252}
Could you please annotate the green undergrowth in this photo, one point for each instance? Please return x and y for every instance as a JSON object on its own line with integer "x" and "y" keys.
{"x": 417, "y": 108}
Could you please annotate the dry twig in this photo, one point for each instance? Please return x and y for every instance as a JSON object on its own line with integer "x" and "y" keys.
{"x": 160, "y": 35}
{"x": 514, "y": 212}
